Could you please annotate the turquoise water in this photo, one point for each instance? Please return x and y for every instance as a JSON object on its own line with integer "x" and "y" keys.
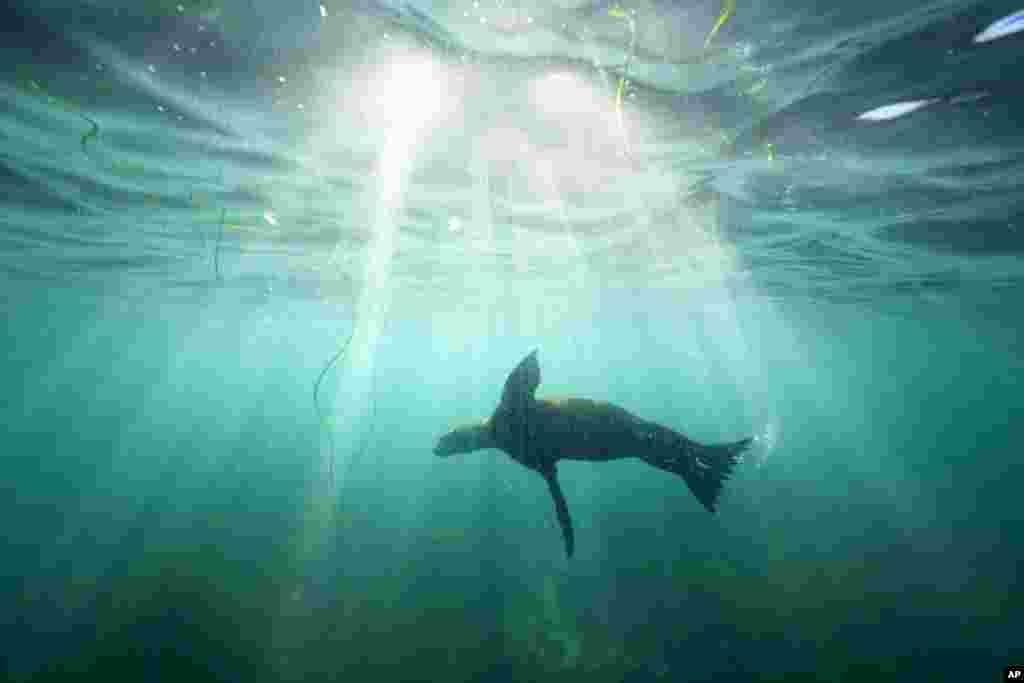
{"x": 753, "y": 241}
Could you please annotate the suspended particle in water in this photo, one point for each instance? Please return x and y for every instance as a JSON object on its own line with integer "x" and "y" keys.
{"x": 323, "y": 11}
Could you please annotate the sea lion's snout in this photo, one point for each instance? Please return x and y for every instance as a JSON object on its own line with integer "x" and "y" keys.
{"x": 446, "y": 445}
{"x": 463, "y": 439}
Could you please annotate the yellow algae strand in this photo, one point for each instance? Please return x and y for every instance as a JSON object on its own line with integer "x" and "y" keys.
{"x": 620, "y": 12}
{"x": 728, "y": 9}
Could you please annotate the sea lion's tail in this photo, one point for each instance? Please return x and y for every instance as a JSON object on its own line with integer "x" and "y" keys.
{"x": 704, "y": 468}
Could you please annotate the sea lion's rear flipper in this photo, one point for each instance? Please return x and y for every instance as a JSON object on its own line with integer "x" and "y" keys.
{"x": 520, "y": 386}
{"x": 704, "y": 468}
{"x": 561, "y": 509}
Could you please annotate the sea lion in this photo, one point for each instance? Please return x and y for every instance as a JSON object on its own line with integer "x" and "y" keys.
{"x": 537, "y": 433}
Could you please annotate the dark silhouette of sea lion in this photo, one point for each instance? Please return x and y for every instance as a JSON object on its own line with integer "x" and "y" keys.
{"x": 539, "y": 433}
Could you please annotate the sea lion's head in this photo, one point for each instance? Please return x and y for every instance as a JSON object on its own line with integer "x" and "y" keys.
{"x": 464, "y": 439}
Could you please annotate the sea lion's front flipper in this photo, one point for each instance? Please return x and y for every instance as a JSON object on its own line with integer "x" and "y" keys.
{"x": 561, "y": 509}
{"x": 520, "y": 386}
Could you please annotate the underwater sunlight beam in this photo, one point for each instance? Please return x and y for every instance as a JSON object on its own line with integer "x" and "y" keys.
{"x": 405, "y": 124}
{"x": 408, "y": 96}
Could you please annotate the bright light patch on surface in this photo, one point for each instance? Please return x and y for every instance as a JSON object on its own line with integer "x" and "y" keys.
{"x": 407, "y": 94}
{"x": 562, "y": 93}
{"x": 1006, "y": 26}
{"x": 892, "y": 111}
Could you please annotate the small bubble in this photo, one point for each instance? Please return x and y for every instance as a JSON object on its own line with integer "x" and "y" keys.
{"x": 152, "y": 69}
{"x": 281, "y": 79}
{"x": 181, "y": 9}
{"x": 160, "y": 107}
{"x": 323, "y": 11}
{"x": 202, "y": 74}
{"x": 192, "y": 50}
{"x": 177, "y": 48}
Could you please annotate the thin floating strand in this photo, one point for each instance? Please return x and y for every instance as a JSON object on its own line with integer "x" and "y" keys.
{"x": 892, "y": 111}
{"x": 1008, "y": 25}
